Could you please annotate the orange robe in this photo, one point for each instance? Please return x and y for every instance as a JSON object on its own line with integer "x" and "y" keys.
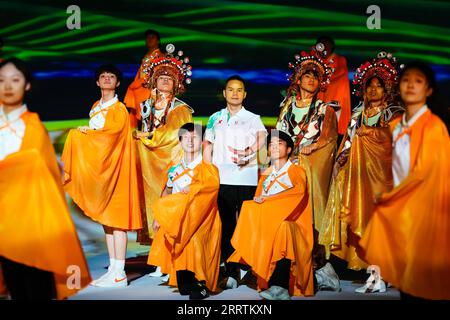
{"x": 39, "y": 231}
{"x": 280, "y": 227}
{"x": 100, "y": 171}
{"x": 408, "y": 236}
{"x": 339, "y": 90}
{"x": 190, "y": 229}
{"x": 136, "y": 93}
{"x": 155, "y": 155}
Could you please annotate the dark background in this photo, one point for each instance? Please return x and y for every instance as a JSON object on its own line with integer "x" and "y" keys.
{"x": 256, "y": 39}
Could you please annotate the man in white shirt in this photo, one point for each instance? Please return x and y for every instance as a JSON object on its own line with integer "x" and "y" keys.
{"x": 232, "y": 139}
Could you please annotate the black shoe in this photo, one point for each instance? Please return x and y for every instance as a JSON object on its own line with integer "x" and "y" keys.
{"x": 199, "y": 292}
{"x": 249, "y": 280}
{"x": 185, "y": 282}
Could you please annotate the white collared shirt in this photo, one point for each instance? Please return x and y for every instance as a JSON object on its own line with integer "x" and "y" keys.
{"x": 277, "y": 181}
{"x": 98, "y": 113}
{"x": 12, "y": 130}
{"x": 401, "y": 147}
{"x": 239, "y": 132}
{"x": 180, "y": 176}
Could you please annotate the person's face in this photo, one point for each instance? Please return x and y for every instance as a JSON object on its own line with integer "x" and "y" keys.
{"x": 374, "y": 90}
{"x": 165, "y": 84}
{"x": 191, "y": 142}
{"x": 309, "y": 82}
{"x": 414, "y": 87}
{"x": 234, "y": 93}
{"x": 152, "y": 41}
{"x": 12, "y": 85}
{"x": 108, "y": 81}
{"x": 278, "y": 149}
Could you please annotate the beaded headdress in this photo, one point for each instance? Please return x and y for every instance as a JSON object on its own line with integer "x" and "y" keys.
{"x": 315, "y": 60}
{"x": 176, "y": 67}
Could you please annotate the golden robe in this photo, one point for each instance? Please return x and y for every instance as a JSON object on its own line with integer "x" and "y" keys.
{"x": 318, "y": 166}
{"x": 100, "y": 171}
{"x": 366, "y": 173}
{"x": 190, "y": 229}
{"x": 408, "y": 236}
{"x": 137, "y": 93}
{"x": 155, "y": 154}
{"x": 280, "y": 227}
{"x": 39, "y": 231}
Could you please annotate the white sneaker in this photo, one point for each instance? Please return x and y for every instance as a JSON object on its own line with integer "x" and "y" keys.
{"x": 372, "y": 287}
{"x": 231, "y": 283}
{"x": 275, "y": 293}
{"x": 157, "y": 273}
{"x": 165, "y": 278}
{"x": 116, "y": 279}
{"x": 94, "y": 282}
{"x": 327, "y": 279}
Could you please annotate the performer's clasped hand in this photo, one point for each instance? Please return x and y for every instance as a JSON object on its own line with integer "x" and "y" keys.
{"x": 84, "y": 129}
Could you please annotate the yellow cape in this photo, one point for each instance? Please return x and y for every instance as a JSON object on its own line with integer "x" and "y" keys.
{"x": 280, "y": 227}
{"x": 36, "y": 228}
{"x": 408, "y": 236}
{"x": 190, "y": 232}
{"x": 100, "y": 171}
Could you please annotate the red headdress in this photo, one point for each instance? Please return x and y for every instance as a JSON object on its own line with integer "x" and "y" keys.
{"x": 175, "y": 67}
{"x": 314, "y": 60}
{"x": 384, "y": 66}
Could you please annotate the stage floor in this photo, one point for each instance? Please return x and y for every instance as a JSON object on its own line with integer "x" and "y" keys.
{"x": 143, "y": 287}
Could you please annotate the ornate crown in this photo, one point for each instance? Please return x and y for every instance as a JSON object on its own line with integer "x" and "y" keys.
{"x": 176, "y": 67}
{"x": 314, "y": 60}
{"x": 384, "y": 66}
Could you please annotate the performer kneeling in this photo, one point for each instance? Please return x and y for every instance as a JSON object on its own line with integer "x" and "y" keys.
{"x": 100, "y": 173}
{"x": 187, "y": 222}
{"x": 274, "y": 233}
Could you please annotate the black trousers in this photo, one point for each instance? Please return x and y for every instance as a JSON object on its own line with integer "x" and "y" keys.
{"x": 27, "y": 283}
{"x": 281, "y": 274}
{"x": 230, "y": 201}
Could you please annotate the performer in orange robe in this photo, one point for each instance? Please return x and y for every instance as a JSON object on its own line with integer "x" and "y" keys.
{"x": 162, "y": 116}
{"x": 408, "y": 236}
{"x": 40, "y": 253}
{"x": 100, "y": 173}
{"x": 187, "y": 240}
{"x": 339, "y": 87}
{"x": 137, "y": 92}
{"x": 363, "y": 165}
{"x": 274, "y": 232}
{"x": 312, "y": 125}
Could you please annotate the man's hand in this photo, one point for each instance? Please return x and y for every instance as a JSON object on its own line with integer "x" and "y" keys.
{"x": 185, "y": 190}
{"x": 308, "y": 149}
{"x": 84, "y": 129}
{"x": 155, "y": 225}
{"x": 259, "y": 199}
{"x": 241, "y": 153}
{"x": 140, "y": 134}
{"x": 361, "y": 132}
